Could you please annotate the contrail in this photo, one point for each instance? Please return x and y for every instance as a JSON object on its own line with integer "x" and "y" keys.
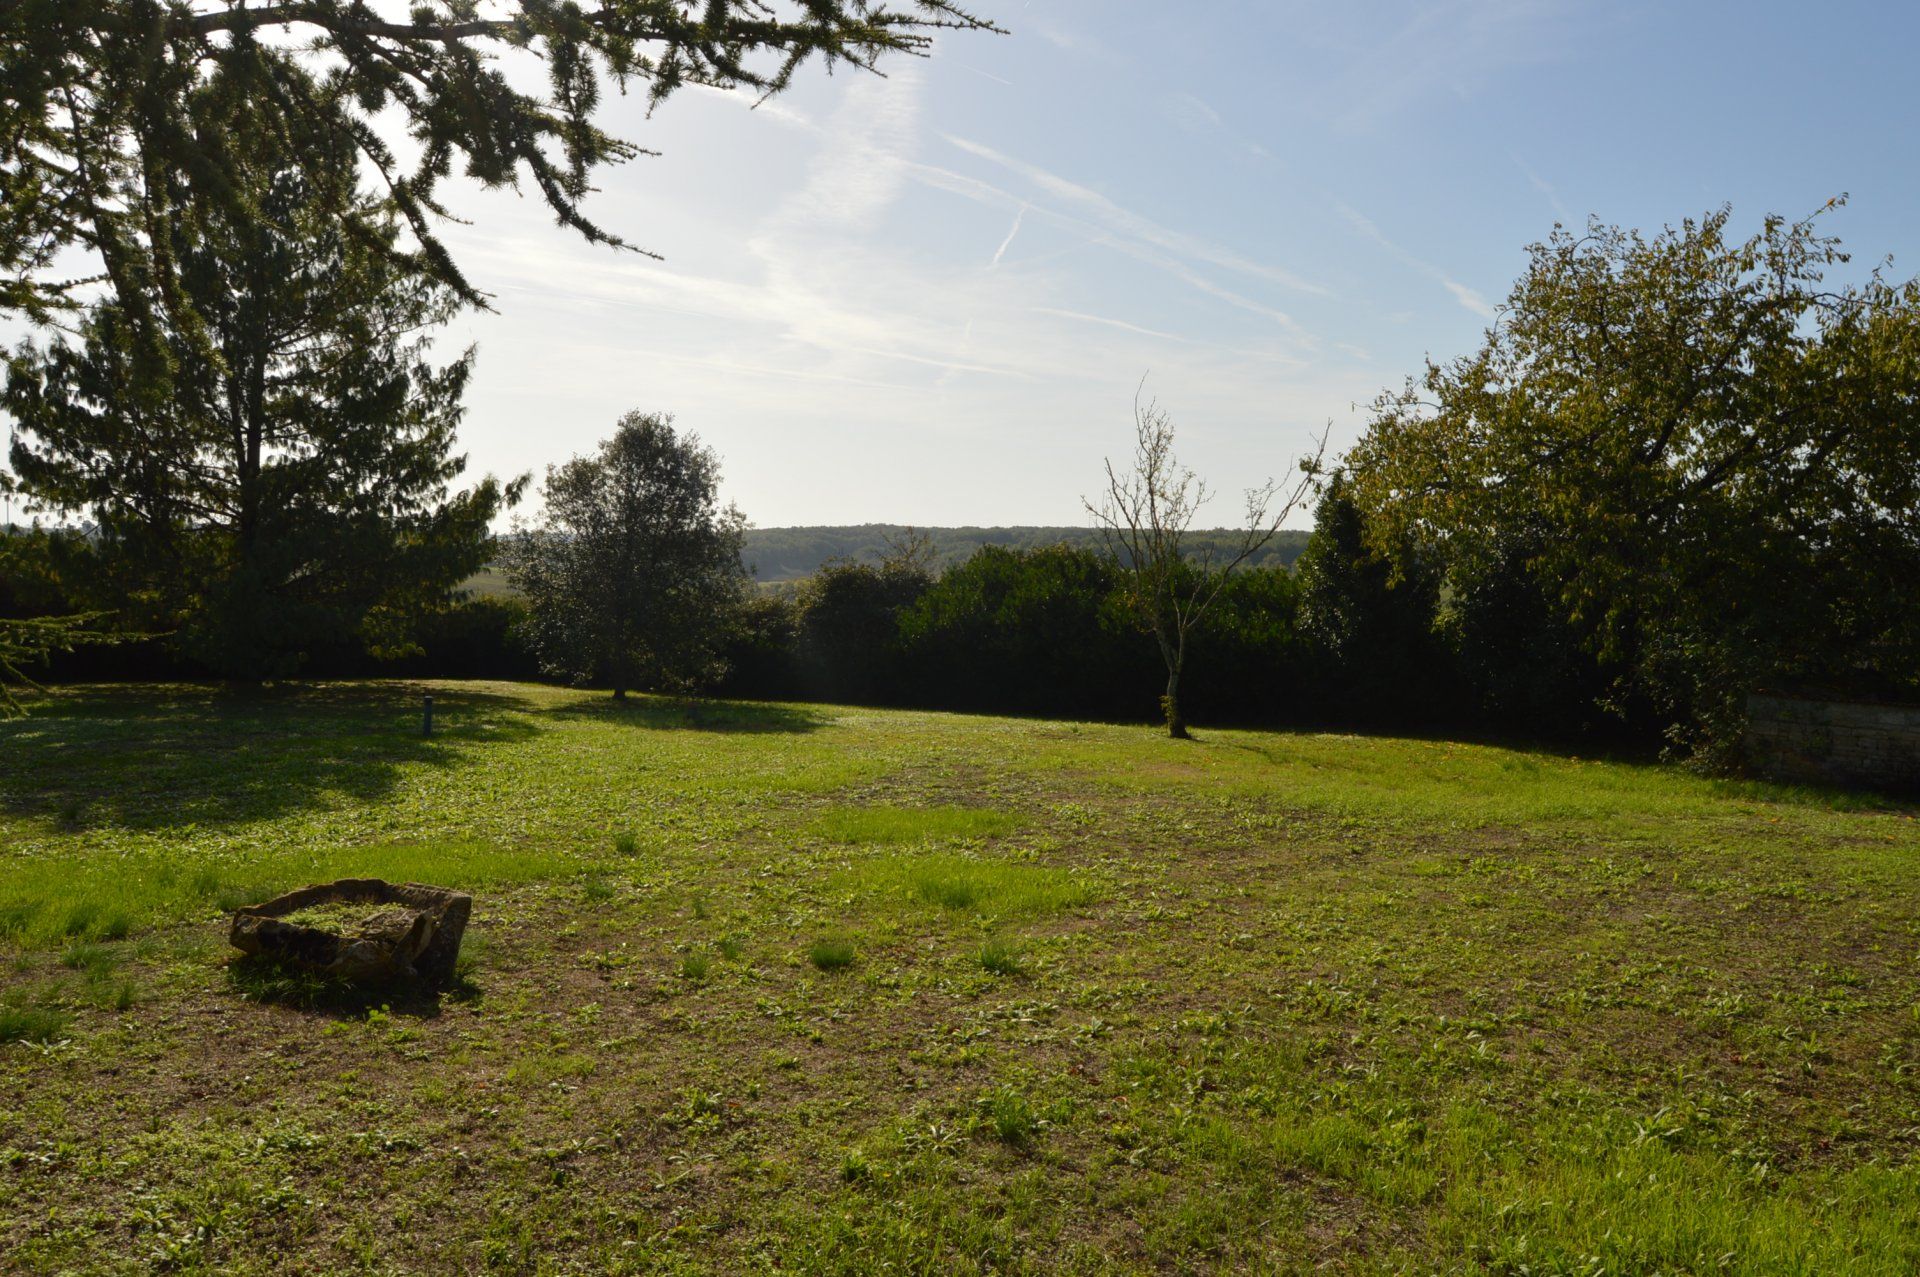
{"x": 1007, "y": 243}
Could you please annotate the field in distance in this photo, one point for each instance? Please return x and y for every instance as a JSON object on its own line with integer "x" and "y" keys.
{"x": 804, "y": 988}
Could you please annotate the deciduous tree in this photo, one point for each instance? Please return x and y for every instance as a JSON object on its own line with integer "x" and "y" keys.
{"x": 633, "y": 577}
{"x": 1145, "y": 517}
{"x": 1708, "y": 457}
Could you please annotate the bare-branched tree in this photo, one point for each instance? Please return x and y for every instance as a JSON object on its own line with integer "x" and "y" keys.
{"x": 1144, "y": 518}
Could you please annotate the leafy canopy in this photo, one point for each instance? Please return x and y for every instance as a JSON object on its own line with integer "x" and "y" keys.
{"x": 635, "y": 575}
{"x": 1706, "y": 457}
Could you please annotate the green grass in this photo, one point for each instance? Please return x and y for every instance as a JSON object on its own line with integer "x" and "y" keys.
{"x": 831, "y": 955}
{"x": 1000, "y": 956}
{"x": 890, "y": 826}
{"x": 760, "y": 988}
{"x": 32, "y": 1024}
{"x": 45, "y": 900}
{"x": 992, "y": 888}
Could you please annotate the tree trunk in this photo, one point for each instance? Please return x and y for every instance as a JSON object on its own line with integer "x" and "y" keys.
{"x": 1170, "y": 706}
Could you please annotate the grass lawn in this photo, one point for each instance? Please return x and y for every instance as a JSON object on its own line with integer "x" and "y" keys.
{"x": 782, "y": 988}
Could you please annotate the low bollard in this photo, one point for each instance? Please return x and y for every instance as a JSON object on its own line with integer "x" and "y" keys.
{"x": 426, "y": 718}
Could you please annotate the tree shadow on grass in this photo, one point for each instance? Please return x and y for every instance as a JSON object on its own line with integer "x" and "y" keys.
{"x": 275, "y": 983}
{"x": 660, "y": 713}
{"x": 156, "y": 757}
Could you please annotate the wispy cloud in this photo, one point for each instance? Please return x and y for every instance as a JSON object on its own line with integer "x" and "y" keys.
{"x": 1133, "y": 226}
{"x": 1545, "y": 188}
{"x": 1468, "y": 297}
{"x": 1452, "y": 48}
{"x": 1191, "y": 112}
{"x": 1121, "y": 324}
{"x": 1000, "y": 253}
{"x": 857, "y": 175}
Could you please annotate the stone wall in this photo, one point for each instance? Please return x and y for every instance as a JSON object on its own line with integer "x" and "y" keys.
{"x": 1856, "y": 743}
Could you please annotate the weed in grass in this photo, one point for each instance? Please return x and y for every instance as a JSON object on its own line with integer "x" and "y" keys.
{"x": 473, "y": 950}
{"x": 95, "y": 960}
{"x": 32, "y": 1024}
{"x": 831, "y": 955}
{"x": 1002, "y": 957}
{"x": 625, "y": 844}
{"x": 16, "y": 916}
{"x": 1009, "y": 1116}
{"x": 79, "y": 919}
{"x": 596, "y": 890}
{"x": 700, "y": 911}
{"x": 856, "y": 1167}
{"x": 695, "y": 965}
{"x": 729, "y": 948}
{"x": 122, "y": 996}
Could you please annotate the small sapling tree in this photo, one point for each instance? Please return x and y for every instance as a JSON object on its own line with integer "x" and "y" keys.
{"x": 1144, "y": 520}
{"x": 634, "y": 574}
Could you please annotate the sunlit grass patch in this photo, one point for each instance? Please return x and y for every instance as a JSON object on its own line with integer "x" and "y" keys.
{"x": 45, "y": 900}
{"x": 542, "y": 1068}
{"x": 992, "y": 888}
{"x": 891, "y": 826}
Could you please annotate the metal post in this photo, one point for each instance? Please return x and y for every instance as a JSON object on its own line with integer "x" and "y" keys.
{"x": 426, "y": 719}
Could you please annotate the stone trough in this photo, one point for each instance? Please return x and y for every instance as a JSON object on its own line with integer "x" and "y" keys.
{"x": 390, "y": 933}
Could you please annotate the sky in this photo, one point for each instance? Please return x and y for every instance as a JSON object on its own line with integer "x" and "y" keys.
{"x": 929, "y": 298}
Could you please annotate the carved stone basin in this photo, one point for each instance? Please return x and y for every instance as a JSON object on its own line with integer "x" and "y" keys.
{"x": 359, "y": 929}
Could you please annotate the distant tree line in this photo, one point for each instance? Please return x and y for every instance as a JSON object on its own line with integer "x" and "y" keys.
{"x": 780, "y": 555}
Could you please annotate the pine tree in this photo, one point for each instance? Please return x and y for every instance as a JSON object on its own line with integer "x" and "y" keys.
{"x": 269, "y": 464}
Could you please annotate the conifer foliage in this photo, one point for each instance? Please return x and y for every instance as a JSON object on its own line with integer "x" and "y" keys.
{"x": 92, "y": 98}
{"x": 268, "y": 465}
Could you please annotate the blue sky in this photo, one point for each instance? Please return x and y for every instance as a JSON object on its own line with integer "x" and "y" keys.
{"x": 928, "y": 298}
